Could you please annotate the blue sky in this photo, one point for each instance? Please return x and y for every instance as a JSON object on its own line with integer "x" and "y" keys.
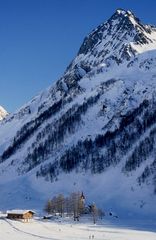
{"x": 39, "y": 38}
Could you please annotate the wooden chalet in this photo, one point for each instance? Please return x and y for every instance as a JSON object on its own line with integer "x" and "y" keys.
{"x": 20, "y": 214}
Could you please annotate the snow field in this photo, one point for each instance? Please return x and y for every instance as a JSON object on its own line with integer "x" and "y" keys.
{"x": 37, "y": 229}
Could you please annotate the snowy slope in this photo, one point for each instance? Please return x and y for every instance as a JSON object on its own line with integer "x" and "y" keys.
{"x": 93, "y": 130}
{"x": 3, "y": 113}
{"x": 38, "y": 229}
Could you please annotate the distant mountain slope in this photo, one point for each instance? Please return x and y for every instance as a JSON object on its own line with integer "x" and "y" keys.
{"x": 94, "y": 129}
{"x": 3, "y": 113}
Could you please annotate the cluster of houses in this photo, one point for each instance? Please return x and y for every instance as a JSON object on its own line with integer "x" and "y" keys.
{"x": 26, "y": 215}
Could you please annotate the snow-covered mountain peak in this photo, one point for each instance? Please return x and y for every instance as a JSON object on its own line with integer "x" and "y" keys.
{"x": 119, "y": 40}
{"x": 121, "y": 14}
{"x": 121, "y": 11}
{"x": 3, "y": 113}
{"x": 121, "y": 23}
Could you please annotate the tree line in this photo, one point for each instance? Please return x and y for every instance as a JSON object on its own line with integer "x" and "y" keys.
{"x": 88, "y": 154}
{"x": 73, "y": 205}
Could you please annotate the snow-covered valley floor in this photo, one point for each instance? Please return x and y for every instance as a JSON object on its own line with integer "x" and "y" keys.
{"x": 36, "y": 229}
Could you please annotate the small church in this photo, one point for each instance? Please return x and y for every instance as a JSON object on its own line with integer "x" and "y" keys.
{"x": 83, "y": 198}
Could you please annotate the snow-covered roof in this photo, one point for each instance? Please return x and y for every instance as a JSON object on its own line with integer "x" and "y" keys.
{"x": 19, "y": 211}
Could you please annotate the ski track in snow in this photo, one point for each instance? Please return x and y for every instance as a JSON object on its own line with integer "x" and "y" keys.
{"x": 27, "y": 233}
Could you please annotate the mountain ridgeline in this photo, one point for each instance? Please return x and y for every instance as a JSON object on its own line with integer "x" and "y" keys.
{"x": 97, "y": 119}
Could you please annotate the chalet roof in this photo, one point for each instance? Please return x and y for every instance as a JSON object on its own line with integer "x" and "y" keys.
{"x": 19, "y": 211}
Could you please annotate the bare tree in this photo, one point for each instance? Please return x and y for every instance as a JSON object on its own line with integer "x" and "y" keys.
{"x": 94, "y": 212}
{"x": 67, "y": 205}
{"x": 48, "y": 207}
{"x": 54, "y": 204}
{"x": 76, "y": 205}
{"x": 60, "y": 202}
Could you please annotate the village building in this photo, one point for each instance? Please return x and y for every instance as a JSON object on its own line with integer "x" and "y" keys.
{"x": 83, "y": 197}
{"x": 24, "y": 215}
